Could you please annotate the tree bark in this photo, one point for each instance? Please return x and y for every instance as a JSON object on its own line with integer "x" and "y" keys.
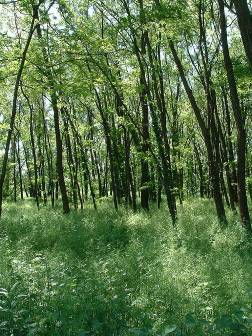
{"x": 14, "y": 103}
{"x": 240, "y": 124}
{"x": 56, "y": 115}
{"x": 245, "y": 24}
{"x": 214, "y": 174}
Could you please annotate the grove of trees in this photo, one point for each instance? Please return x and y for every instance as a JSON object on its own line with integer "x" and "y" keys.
{"x": 143, "y": 101}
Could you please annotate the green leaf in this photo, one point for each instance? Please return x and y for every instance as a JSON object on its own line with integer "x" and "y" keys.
{"x": 138, "y": 332}
{"x": 190, "y": 321}
{"x": 169, "y": 329}
{"x": 3, "y": 291}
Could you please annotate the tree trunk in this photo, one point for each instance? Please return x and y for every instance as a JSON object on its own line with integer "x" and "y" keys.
{"x": 14, "y": 104}
{"x": 213, "y": 170}
{"x": 245, "y": 24}
{"x": 56, "y": 115}
{"x": 240, "y": 124}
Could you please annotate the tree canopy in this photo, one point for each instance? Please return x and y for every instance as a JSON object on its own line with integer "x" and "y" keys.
{"x": 137, "y": 100}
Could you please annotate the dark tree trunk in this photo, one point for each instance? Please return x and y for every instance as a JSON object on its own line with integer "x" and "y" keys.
{"x": 56, "y": 115}
{"x": 14, "y": 104}
{"x": 109, "y": 150}
{"x": 213, "y": 170}
{"x": 33, "y": 148}
{"x": 161, "y": 137}
{"x": 145, "y": 176}
{"x": 201, "y": 172}
{"x": 240, "y": 124}
{"x": 245, "y": 24}
{"x": 230, "y": 150}
{"x": 19, "y": 168}
{"x": 48, "y": 151}
{"x": 13, "y": 148}
{"x": 84, "y": 162}
{"x": 71, "y": 164}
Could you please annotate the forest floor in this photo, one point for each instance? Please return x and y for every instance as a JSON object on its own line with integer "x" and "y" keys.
{"x": 119, "y": 273}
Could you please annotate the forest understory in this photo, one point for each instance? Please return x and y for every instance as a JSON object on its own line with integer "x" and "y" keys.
{"x": 122, "y": 273}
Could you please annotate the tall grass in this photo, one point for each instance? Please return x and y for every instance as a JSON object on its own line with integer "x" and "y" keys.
{"x": 120, "y": 273}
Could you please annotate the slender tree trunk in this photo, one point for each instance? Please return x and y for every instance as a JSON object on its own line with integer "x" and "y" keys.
{"x": 240, "y": 124}
{"x": 83, "y": 158}
{"x": 56, "y": 115}
{"x": 245, "y": 24}
{"x": 48, "y": 151}
{"x": 13, "y": 148}
{"x": 33, "y": 148}
{"x": 19, "y": 168}
{"x": 109, "y": 149}
{"x": 14, "y": 104}
{"x": 145, "y": 176}
{"x": 213, "y": 170}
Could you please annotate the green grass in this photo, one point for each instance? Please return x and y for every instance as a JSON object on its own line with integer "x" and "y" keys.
{"x": 107, "y": 273}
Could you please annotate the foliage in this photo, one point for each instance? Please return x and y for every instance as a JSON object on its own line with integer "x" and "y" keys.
{"x": 120, "y": 273}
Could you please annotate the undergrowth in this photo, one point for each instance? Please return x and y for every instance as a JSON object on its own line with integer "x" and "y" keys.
{"x": 121, "y": 273}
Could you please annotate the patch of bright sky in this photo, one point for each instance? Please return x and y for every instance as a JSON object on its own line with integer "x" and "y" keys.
{"x": 55, "y": 17}
{"x": 91, "y": 10}
{"x": 7, "y": 20}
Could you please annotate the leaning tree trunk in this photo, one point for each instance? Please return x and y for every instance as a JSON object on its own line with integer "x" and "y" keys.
{"x": 245, "y": 24}
{"x": 14, "y": 102}
{"x": 214, "y": 174}
{"x": 240, "y": 124}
